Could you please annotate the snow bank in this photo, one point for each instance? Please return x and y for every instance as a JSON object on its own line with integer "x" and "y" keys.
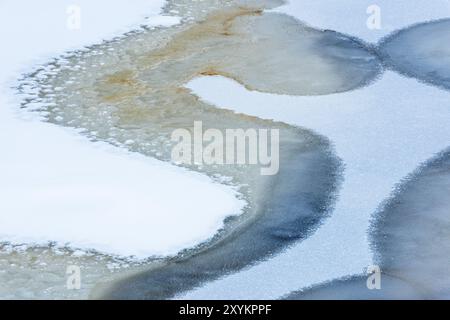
{"x": 57, "y": 186}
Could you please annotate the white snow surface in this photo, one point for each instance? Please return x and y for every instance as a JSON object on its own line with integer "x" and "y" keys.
{"x": 382, "y": 133}
{"x": 57, "y": 186}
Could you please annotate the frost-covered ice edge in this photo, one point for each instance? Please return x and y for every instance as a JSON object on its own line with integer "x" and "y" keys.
{"x": 293, "y": 269}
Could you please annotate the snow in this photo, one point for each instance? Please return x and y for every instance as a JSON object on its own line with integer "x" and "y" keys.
{"x": 57, "y": 186}
{"x": 382, "y": 133}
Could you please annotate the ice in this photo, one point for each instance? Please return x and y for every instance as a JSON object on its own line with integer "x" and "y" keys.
{"x": 161, "y": 20}
{"x": 351, "y": 16}
{"x": 136, "y": 98}
{"x": 288, "y": 207}
{"x": 67, "y": 189}
{"x": 410, "y": 240}
{"x": 381, "y": 132}
{"x": 421, "y": 51}
{"x": 58, "y": 186}
{"x": 411, "y": 232}
{"x": 355, "y": 288}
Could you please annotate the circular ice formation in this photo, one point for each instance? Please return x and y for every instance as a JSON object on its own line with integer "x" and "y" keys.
{"x": 355, "y": 288}
{"x": 277, "y": 53}
{"x": 421, "y": 51}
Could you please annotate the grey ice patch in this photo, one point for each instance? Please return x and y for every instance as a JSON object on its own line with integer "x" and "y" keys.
{"x": 421, "y": 51}
{"x": 354, "y": 288}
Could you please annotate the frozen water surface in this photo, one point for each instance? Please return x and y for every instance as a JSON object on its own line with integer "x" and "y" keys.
{"x": 411, "y": 233}
{"x": 59, "y": 191}
{"x": 129, "y": 92}
{"x": 381, "y": 132}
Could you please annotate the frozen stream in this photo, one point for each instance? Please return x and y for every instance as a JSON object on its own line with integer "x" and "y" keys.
{"x": 410, "y": 239}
